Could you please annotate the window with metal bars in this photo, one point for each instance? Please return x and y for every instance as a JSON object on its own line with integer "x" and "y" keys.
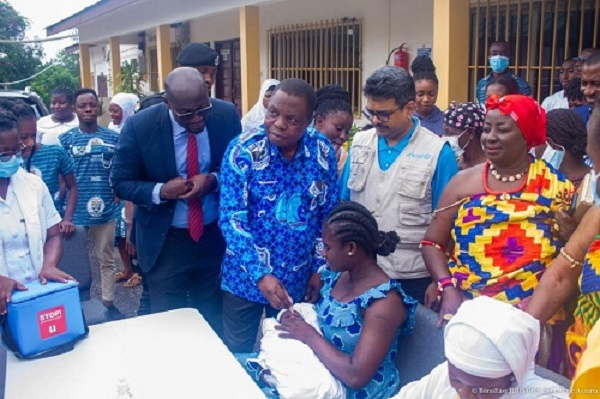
{"x": 542, "y": 34}
{"x": 325, "y": 52}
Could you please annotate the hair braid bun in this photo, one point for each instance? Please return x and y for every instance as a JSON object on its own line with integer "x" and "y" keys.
{"x": 387, "y": 243}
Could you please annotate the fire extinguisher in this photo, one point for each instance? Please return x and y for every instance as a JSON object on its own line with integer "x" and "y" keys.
{"x": 400, "y": 57}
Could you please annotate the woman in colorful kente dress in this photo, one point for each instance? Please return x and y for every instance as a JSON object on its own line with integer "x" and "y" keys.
{"x": 577, "y": 270}
{"x": 499, "y": 217}
{"x": 587, "y": 311}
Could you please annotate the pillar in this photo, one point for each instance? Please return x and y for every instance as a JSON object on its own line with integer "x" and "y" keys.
{"x": 163, "y": 53}
{"x": 451, "y": 50}
{"x": 114, "y": 44}
{"x": 250, "y": 56}
{"x": 85, "y": 74}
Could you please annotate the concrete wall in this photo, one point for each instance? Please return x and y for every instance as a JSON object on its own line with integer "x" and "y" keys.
{"x": 218, "y": 27}
{"x": 100, "y": 65}
{"x": 386, "y": 24}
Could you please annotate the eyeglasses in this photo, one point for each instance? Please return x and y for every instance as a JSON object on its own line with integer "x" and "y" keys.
{"x": 188, "y": 116}
{"x": 383, "y": 116}
{"x": 7, "y": 156}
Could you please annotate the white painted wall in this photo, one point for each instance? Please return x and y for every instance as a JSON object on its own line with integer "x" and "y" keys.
{"x": 218, "y": 27}
{"x": 140, "y": 15}
{"x": 100, "y": 65}
{"x": 411, "y": 22}
{"x": 386, "y": 24}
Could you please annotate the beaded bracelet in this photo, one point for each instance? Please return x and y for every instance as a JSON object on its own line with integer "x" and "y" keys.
{"x": 443, "y": 283}
{"x": 426, "y": 243}
{"x": 574, "y": 263}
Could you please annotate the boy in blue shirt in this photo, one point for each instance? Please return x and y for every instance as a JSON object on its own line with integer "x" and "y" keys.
{"x": 92, "y": 148}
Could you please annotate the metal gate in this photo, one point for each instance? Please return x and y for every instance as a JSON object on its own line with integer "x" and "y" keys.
{"x": 542, "y": 34}
{"x": 325, "y": 52}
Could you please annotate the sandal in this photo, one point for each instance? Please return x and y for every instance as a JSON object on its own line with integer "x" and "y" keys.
{"x": 134, "y": 281}
{"x": 120, "y": 276}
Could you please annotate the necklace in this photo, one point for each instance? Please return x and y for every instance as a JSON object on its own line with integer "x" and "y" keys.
{"x": 504, "y": 194}
{"x": 505, "y": 179}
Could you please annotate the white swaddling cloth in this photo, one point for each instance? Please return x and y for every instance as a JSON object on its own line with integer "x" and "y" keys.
{"x": 294, "y": 369}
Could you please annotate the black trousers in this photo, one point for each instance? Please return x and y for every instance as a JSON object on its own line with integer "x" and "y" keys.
{"x": 241, "y": 319}
{"x": 188, "y": 274}
{"x": 416, "y": 287}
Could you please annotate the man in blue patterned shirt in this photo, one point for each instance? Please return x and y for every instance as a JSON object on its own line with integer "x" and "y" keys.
{"x": 499, "y": 59}
{"x": 279, "y": 185}
{"x": 92, "y": 148}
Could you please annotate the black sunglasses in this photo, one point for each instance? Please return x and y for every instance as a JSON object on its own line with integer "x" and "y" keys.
{"x": 188, "y": 116}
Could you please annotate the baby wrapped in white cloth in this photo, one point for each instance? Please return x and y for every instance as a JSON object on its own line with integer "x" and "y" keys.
{"x": 294, "y": 370}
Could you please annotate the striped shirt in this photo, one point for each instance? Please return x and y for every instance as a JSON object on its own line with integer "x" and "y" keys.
{"x": 93, "y": 155}
{"x": 48, "y": 162}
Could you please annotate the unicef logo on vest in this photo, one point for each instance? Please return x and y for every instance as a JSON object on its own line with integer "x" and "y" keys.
{"x": 419, "y": 156}
{"x": 95, "y": 207}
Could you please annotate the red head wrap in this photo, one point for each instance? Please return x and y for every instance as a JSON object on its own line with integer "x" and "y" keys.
{"x": 526, "y": 112}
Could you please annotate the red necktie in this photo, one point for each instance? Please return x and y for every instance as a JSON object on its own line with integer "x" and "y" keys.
{"x": 195, "y": 214}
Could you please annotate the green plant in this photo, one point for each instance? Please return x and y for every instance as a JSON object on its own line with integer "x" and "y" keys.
{"x": 19, "y": 60}
{"x": 131, "y": 81}
{"x": 351, "y": 134}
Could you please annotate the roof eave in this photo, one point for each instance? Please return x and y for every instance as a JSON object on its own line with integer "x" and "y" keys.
{"x": 87, "y": 14}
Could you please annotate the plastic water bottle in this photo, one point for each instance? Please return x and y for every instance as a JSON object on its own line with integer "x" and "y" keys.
{"x": 123, "y": 391}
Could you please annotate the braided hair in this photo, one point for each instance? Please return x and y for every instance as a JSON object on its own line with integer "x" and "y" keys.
{"x": 7, "y": 121}
{"x": 423, "y": 69}
{"x": 64, "y": 91}
{"x": 331, "y": 99}
{"x": 22, "y": 111}
{"x": 352, "y": 222}
{"x": 6, "y": 105}
{"x": 566, "y": 128}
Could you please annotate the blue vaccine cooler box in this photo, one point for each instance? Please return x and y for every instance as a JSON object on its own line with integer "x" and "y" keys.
{"x": 45, "y": 316}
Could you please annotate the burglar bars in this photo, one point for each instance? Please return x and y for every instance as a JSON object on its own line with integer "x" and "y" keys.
{"x": 324, "y": 52}
{"x": 542, "y": 34}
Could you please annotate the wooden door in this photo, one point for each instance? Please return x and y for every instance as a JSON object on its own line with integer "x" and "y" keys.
{"x": 229, "y": 73}
{"x": 102, "y": 85}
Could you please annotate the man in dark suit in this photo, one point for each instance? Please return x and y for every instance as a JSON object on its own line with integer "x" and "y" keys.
{"x": 167, "y": 162}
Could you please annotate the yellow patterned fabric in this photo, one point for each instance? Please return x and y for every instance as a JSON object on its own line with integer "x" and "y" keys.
{"x": 586, "y": 383}
{"x": 587, "y": 311}
{"x": 505, "y": 241}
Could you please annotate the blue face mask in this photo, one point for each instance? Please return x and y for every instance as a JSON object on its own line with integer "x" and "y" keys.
{"x": 10, "y": 167}
{"x": 499, "y": 63}
{"x": 553, "y": 157}
{"x": 595, "y": 187}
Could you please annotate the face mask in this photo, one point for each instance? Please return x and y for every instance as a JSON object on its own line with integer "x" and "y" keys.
{"x": 595, "y": 187}
{"x": 553, "y": 157}
{"x": 499, "y": 63}
{"x": 453, "y": 141}
{"x": 10, "y": 167}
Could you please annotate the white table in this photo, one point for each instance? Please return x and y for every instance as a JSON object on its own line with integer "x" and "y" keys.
{"x": 169, "y": 355}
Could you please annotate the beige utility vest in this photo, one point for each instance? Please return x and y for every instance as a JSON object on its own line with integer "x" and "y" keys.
{"x": 399, "y": 198}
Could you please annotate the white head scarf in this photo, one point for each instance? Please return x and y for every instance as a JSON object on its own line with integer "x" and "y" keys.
{"x": 256, "y": 116}
{"x": 492, "y": 339}
{"x": 127, "y": 102}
